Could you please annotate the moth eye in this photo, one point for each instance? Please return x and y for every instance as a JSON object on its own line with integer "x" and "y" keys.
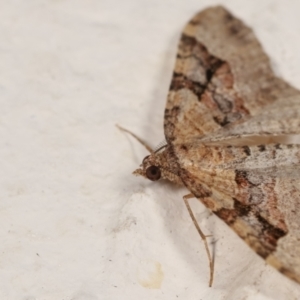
{"x": 153, "y": 173}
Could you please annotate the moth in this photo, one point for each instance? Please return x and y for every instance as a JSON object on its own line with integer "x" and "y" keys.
{"x": 230, "y": 125}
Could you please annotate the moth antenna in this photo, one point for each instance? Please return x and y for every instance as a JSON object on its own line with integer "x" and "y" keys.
{"x": 160, "y": 146}
{"x": 136, "y": 137}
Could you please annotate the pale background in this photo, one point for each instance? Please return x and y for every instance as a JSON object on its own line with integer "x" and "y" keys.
{"x": 74, "y": 223}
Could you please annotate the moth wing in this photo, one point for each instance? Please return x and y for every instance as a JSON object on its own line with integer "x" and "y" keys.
{"x": 222, "y": 77}
{"x": 282, "y": 118}
{"x": 256, "y": 191}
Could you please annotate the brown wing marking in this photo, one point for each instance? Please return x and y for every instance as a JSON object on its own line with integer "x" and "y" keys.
{"x": 206, "y": 83}
{"x": 256, "y": 191}
{"x": 222, "y": 77}
{"x": 246, "y": 220}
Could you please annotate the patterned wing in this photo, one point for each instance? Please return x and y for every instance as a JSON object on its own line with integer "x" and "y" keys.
{"x": 256, "y": 191}
{"x": 222, "y": 77}
{"x": 281, "y": 118}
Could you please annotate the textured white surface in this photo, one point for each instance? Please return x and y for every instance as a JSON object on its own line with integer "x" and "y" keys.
{"x": 74, "y": 224}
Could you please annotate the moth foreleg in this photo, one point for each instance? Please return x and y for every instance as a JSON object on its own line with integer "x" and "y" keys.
{"x": 202, "y": 235}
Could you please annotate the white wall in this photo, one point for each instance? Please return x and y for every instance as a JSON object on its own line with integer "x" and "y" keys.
{"x": 74, "y": 223}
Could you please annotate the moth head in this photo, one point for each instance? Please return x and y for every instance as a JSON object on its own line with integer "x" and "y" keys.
{"x": 151, "y": 167}
{"x": 157, "y": 165}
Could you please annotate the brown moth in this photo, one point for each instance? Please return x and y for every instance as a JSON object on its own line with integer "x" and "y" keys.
{"x": 228, "y": 121}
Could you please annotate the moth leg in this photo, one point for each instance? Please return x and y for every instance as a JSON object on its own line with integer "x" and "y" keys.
{"x": 202, "y": 235}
